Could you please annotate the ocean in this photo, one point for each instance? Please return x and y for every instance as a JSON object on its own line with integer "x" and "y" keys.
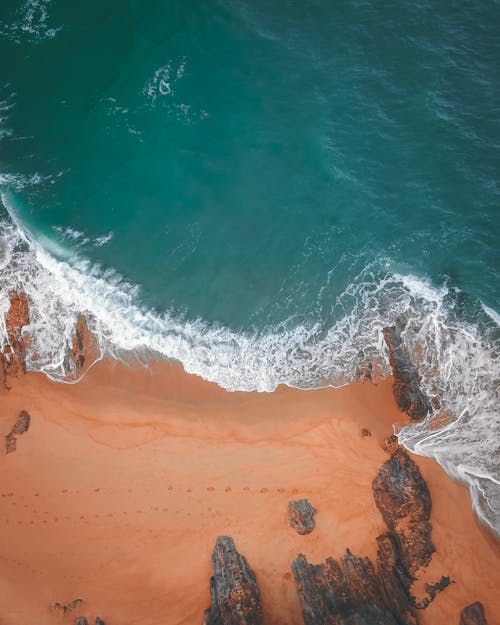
{"x": 256, "y": 189}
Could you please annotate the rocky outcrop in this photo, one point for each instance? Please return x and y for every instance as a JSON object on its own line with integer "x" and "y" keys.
{"x": 20, "y": 427}
{"x": 348, "y": 592}
{"x": 13, "y": 354}
{"x": 233, "y": 588}
{"x": 84, "y": 350}
{"x": 394, "y": 579}
{"x": 407, "y": 391}
{"x": 404, "y": 501}
{"x": 473, "y": 615}
{"x": 300, "y": 516}
{"x": 354, "y": 591}
{"x": 81, "y": 620}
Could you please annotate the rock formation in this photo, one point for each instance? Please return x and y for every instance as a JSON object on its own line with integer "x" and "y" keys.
{"x": 13, "y": 354}
{"x": 403, "y": 499}
{"x": 84, "y": 349}
{"x": 354, "y": 591}
{"x": 20, "y": 427}
{"x": 346, "y": 593}
{"x": 407, "y": 392}
{"x": 473, "y": 615}
{"x": 300, "y": 516}
{"x": 233, "y": 587}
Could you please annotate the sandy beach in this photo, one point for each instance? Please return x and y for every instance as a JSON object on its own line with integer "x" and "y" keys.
{"x": 117, "y": 492}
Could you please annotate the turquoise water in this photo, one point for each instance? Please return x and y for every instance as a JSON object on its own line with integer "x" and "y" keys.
{"x": 257, "y": 188}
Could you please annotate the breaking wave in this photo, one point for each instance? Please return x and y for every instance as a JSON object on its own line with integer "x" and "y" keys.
{"x": 453, "y": 340}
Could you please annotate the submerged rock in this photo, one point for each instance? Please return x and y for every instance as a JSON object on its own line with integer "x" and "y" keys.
{"x": 409, "y": 396}
{"x": 233, "y": 587}
{"x": 473, "y": 615}
{"x": 300, "y": 516}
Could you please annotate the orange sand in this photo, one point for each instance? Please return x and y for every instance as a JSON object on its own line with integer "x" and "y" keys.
{"x": 117, "y": 493}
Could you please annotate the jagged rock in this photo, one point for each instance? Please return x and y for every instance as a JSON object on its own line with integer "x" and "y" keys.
{"x": 407, "y": 392}
{"x": 13, "y": 355}
{"x": 473, "y": 615}
{"x": 432, "y": 590}
{"x": 84, "y": 349}
{"x": 404, "y": 501}
{"x": 233, "y": 587}
{"x": 20, "y": 427}
{"x": 81, "y": 620}
{"x": 300, "y": 516}
{"x": 348, "y": 593}
{"x": 394, "y": 579}
{"x": 99, "y": 621}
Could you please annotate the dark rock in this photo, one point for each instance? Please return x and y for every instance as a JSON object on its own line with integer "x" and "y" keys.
{"x": 20, "y": 427}
{"x": 99, "y": 621}
{"x": 394, "y": 579}
{"x": 348, "y": 593}
{"x": 432, "y": 590}
{"x": 81, "y": 620}
{"x": 365, "y": 433}
{"x": 354, "y": 591}
{"x": 407, "y": 392}
{"x": 233, "y": 587}
{"x": 404, "y": 501}
{"x": 473, "y": 615}
{"x": 300, "y": 516}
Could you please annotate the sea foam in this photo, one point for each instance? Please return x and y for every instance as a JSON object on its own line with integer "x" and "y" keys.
{"x": 456, "y": 355}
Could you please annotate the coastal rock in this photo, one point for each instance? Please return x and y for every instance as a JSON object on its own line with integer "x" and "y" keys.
{"x": 394, "y": 579}
{"x": 407, "y": 392}
{"x": 13, "y": 355}
{"x": 20, "y": 427}
{"x": 233, "y": 588}
{"x": 300, "y": 516}
{"x": 473, "y": 615}
{"x": 344, "y": 593}
{"x": 404, "y": 501}
{"x": 84, "y": 350}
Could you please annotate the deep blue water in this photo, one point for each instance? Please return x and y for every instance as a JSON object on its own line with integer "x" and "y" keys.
{"x": 257, "y": 188}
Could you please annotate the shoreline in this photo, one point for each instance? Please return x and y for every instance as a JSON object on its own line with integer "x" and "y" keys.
{"x": 120, "y": 487}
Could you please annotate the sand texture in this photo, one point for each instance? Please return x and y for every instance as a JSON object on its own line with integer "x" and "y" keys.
{"x": 117, "y": 491}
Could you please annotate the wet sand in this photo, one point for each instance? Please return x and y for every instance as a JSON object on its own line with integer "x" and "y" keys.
{"x": 116, "y": 494}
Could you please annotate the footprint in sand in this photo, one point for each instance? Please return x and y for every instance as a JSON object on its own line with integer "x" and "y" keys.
{"x": 228, "y": 489}
{"x": 210, "y": 489}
